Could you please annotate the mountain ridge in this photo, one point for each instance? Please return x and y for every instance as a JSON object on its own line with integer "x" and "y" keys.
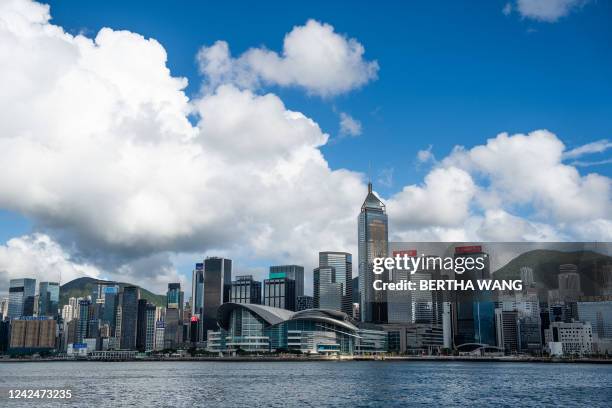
{"x": 82, "y": 287}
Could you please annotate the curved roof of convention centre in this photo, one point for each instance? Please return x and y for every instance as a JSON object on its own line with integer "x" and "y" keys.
{"x": 273, "y": 315}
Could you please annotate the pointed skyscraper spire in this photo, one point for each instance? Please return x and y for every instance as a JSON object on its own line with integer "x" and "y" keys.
{"x": 372, "y": 202}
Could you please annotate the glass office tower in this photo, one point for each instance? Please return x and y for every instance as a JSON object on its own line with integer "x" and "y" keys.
{"x": 82, "y": 329}
{"x": 145, "y": 326}
{"x": 342, "y": 262}
{"x": 48, "y": 299}
{"x": 175, "y": 297}
{"x": 109, "y": 315}
{"x": 373, "y": 241}
{"x": 472, "y": 310}
{"x": 21, "y": 297}
{"x": 217, "y": 284}
{"x": 197, "y": 300}
{"x": 327, "y": 292}
{"x": 293, "y": 272}
{"x": 129, "y": 316}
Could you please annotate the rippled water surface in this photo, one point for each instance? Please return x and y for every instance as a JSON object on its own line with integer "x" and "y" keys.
{"x": 316, "y": 384}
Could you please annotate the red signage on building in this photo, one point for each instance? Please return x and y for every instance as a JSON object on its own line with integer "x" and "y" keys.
{"x": 409, "y": 252}
{"x": 472, "y": 249}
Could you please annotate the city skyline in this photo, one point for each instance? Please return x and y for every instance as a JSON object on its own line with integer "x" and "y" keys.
{"x": 236, "y": 144}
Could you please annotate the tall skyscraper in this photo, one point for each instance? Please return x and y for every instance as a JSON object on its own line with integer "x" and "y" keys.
{"x": 342, "y": 262}
{"x": 111, "y": 301}
{"x": 470, "y": 308}
{"x": 21, "y": 297}
{"x": 373, "y": 242}
{"x": 174, "y": 297}
{"x": 173, "y": 328}
{"x": 399, "y": 302}
{"x": 48, "y": 299}
{"x": 145, "y": 331}
{"x": 197, "y": 290}
{"x": 245, "y": 290}
{"x": 327, "y": 292}
{"x": 129, "y": 316}
{"x": 217, "y": 284}
{"x": 82, "y": 329}
{"x": 293, "y": 272}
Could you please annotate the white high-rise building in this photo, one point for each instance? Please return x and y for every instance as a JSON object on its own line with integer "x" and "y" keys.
{"x": 570, "y": 338}
{"x": 527, "y": 276}
{"x": 4, "y": 307}
{"x": 67, "y": 312}
{"x": 74, "y": 302}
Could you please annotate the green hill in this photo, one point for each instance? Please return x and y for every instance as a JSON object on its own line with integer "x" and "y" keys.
{"x": 82, "y": 287}
{"x": 545, "y": 264}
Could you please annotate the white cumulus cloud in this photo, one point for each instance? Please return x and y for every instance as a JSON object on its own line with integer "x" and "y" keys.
{"x": 38, "y": 256}
{"x": 98, "y": 152}
{"x": 314, "y": 57}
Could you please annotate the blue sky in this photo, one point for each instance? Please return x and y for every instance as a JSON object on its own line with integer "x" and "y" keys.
{"x": 450, "y": 73}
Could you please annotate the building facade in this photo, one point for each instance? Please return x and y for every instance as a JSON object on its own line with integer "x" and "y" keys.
{"x": 129, "y": 316}
{"x": 279, "y": 293}
{"x": 258, "y": 329}
{"x": 327, "y": 292}
{"x": 32, "y": 334}
{"x": 293, "y": 272}
{"x": 245, "y": 290}
{"x": 21, "y": 297}
{"x": 48, "y": 299}
{"x": 373, "y": 242}
{"x": 599, "y": 315}
{"x": 217, "y": 284}
{"x": 304, "y": 303}
{"x": 569, "y": 338}
{"x": 342, "y": 262}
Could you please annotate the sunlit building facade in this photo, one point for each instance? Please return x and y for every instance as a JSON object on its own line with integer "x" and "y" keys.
{"x": 261, "y": 329}
{"x": 373, "y": 242}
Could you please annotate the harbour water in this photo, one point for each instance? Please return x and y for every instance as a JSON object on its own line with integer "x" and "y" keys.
{"x": 314, "y": 384}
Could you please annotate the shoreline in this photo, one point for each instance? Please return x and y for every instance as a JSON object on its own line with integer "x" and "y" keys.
{"x": 293, "y": 359}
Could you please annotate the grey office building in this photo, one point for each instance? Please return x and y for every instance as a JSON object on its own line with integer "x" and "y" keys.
{"x": 304, "y": 303}
{"x": 342, "y": 262}
{"x": 373, "y": 242}
{"x": 245, "y": 290}
{"x": 21, "y": 297}
{"x": 129, "y": 316}
{"x": 327, "y": 293}
{"x": 293, "y": 272}
{"x": 280, "y": 292}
